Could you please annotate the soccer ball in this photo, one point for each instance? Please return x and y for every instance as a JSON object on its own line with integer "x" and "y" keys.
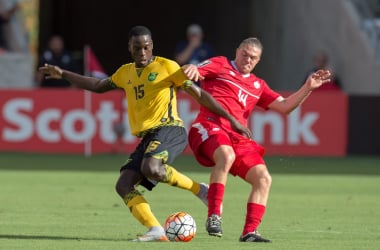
{"x": 180, "y": 226}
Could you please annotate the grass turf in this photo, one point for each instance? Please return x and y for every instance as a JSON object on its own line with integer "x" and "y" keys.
{"x": 69, "y": 202}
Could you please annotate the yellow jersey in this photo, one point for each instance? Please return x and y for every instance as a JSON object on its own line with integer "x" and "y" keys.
{"x": 151, "y": 93}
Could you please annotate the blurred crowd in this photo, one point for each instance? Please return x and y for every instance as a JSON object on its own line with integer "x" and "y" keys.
{"x": 193, "y": 48}
{"x": 13, "y": 37}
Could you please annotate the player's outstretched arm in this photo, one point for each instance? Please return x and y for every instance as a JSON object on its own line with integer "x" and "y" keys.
{"x": 206, "y": 100}
{"x": 288, "y": 104}
{"x": 84, "y": 82}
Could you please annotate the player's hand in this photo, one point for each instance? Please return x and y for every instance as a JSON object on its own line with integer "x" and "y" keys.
{"x": 51, "y": 71}
{"x": 318, "y": 78}
{"x": 191, "y": 72}
{"x": 238, "y": 127}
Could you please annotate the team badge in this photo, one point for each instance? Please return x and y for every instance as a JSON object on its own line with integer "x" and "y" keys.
{"x": 256, "y": 84}
{"x": 152, "y": 76}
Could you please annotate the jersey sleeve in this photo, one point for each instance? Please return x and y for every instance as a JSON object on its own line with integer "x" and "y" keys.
{"x": 117, "y": 77}
{"x": 267, "y": 97}
{"x": 210, "y": 67}
{"x": 175, "y": 73}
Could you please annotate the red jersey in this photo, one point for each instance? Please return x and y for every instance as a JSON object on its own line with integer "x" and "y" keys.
{"x": 237, "y": 93}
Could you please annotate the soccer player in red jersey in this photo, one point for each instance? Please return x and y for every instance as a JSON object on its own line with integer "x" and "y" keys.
{"x": 216, "y": 145}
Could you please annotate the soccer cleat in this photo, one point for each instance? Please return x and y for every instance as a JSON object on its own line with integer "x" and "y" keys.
{"x": 253, "y": 237}
{"x": 151, "y": 238}
{"x": 203, "y": 192}
{"x": 155, "y": 234}
{"x": 214, "y": 225}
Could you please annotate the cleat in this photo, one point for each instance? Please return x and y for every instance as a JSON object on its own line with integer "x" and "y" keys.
{"x": 253, "y": 237}
{"x": 214, "y": 225}
{"x": 155, "y": 234}
{"x": 203, "y": 192}
{"x": 151, "y": 238}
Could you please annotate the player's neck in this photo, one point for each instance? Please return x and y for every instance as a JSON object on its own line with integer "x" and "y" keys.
{"x": 233, "y": 63}
{"x": 151, "y": 59}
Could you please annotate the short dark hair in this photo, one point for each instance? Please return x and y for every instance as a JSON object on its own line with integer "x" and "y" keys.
{"x": 139, "y": 31}
{"x": 252, "y": 41}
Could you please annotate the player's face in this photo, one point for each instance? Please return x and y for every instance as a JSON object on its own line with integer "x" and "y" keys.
{"x": 246, "y": 58}
{"x": 141, "y": 48}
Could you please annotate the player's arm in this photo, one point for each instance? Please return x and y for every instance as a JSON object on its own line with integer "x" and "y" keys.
{"x": 288, "y": 104}
{"x": 80, "y": 81}
{"x": 206, "y": 100}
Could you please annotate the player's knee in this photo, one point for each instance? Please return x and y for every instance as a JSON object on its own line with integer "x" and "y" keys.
{"x": 259, "y": 177}
{"x": 122, "y": 189}
{"x": 153, "y": 170}
{"x": 266, "y": 180}
{"x": 224, "y": 158}
{"x": 229, "y": 157}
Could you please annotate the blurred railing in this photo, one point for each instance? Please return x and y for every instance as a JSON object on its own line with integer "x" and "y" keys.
{"x": 369, "y": 13}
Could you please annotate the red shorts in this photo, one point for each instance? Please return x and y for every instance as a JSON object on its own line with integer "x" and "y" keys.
{"x": 205, "y": 137}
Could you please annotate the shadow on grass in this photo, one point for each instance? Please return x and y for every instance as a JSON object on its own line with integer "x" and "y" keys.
{"x": 47, "y": 237}
{"x": 351, "y": 165}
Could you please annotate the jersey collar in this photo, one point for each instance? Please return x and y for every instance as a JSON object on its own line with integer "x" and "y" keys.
{"x": 235, "y": 67}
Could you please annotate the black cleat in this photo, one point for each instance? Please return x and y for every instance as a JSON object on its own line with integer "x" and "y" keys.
{"x": 253, "y": 237}
{"x": 214, "y": 225}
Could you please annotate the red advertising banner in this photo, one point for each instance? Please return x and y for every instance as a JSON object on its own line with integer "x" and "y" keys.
{"x": 317, "y": 128}
{"x": 77, "y": 121}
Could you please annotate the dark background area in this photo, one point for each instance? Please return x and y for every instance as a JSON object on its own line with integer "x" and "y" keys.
{"x": 364, "y": 125}
{"x": 105, "y": 26}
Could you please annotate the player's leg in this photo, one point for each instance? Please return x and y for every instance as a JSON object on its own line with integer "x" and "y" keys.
{"x": 250, "y": 166}
{"x": 224, "y": 157}
{"x": 212, "y": 148}
{"x": 134, "y": 200}
{"x": 163, "y": 147}
{"x": 130, "y": 177}
{"x": 260, "y": 180}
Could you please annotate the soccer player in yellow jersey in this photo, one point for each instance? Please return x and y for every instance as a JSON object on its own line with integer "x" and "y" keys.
{"x": 150, "y": 84}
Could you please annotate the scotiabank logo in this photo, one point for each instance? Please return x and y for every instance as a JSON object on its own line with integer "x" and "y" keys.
{"x": 292, "y": 129}
{"x": 74, "y": 121}
{"x": 23, "y": 125}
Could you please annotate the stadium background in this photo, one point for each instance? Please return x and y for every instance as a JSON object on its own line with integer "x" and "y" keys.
{"x": 67, "y": 201}
{"x": 292, "y": 31}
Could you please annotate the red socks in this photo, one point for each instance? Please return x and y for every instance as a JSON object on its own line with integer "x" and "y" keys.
{"x": 255, "y": 213}
{"x": 215, "y": 198}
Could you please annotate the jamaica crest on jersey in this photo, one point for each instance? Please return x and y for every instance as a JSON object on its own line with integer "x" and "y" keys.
{"x": 152, "y": 76}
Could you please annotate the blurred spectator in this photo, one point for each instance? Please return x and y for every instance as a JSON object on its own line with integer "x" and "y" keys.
{"x": 56, "y": 54}
{"x": 194, "y": 50}
{"x": 13, "y": 37}
{"x": 321, "y": 61}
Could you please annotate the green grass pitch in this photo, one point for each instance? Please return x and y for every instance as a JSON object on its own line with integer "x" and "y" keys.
{"x": 69, "y": 202}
